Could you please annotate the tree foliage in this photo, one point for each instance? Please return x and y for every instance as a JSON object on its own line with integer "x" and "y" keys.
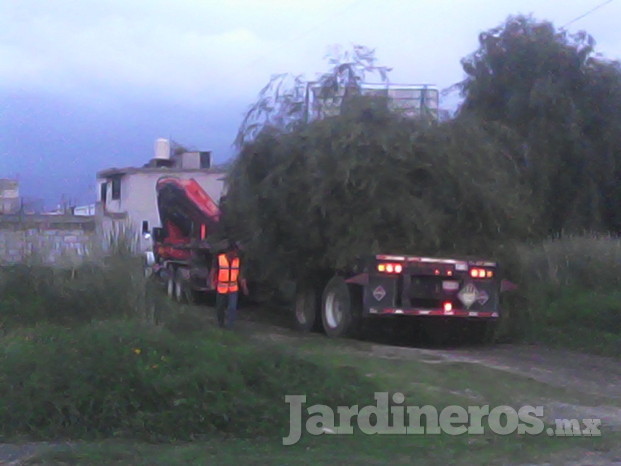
{"x": 285, "y": 103}
{"x": 368, "y": 181}
{"x": 564, "y": 105}
{"x": 534, "y": 150}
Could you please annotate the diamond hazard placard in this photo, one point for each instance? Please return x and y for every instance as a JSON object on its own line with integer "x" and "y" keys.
{"x": 468, "y": 295}
{"x": 379, "y": 293}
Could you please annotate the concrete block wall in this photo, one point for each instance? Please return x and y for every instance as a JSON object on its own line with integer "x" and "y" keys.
{"x": 57, "y": 243}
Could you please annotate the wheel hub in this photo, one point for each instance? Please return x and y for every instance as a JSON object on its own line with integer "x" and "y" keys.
{"x": 334, "y": 310}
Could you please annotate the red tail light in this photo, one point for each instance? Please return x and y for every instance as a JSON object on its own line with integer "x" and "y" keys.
{"x": 389, "y": 267}
{"x": 481, "y": 273}
{"x": 447, "y": 307}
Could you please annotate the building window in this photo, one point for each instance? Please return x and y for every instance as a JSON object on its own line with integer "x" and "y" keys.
{"x": 103, "y": 192}
{"x": 205, "y": 159}
{"x": 116, "y": 188}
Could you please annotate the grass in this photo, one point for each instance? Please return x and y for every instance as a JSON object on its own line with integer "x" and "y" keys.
{"x": 328, "y": 371}
{"x": 423, "y": 383}
{"x": 569, "y": 293}
{"x": 79, "y": 359}
{"x": 355, "y": 449}
{"x": 124, "y": 379}
{"x": 114, "y": 288}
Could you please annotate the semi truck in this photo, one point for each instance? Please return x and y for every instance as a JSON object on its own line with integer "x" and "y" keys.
{"x": 375, "y": 287}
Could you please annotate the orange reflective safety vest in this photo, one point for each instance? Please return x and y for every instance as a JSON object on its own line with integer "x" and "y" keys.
{"x": 228, "y": 273}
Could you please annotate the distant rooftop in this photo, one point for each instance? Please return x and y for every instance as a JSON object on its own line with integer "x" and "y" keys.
{"x": 131, "y": 170}
{"x": 168, "y": 159}
{"x": 9, "y": 188}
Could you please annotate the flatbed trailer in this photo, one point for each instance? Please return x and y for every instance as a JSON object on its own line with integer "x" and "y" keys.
{"x": 383, "y": 286}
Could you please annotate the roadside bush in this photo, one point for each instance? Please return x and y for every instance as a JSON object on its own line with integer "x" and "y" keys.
{"x": 590, "y": 262}
{"x": 30, "y": 294}
{"x": 125, "y": 379}
{"x": 570, "y": 291}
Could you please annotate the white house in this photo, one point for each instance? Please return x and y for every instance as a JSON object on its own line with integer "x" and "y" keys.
{"x": 10, "y": 201}
{"x": 127, "y": 199}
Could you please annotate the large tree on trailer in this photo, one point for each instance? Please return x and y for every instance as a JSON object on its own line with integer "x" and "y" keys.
{"x": 314, "y": 204}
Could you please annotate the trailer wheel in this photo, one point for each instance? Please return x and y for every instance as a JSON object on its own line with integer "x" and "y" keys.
{"x": 183, "y": 292}
{"x": 179, "y": 291}
{"x": 305, "y": 309}
{"x": 339, "y": 314}
{"x": 170, "y": 282}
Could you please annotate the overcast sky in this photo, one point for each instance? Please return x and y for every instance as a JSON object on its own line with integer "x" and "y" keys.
{"x": 90, "y": 84}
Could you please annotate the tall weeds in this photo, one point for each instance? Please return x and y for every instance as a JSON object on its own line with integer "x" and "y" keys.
{"x": 569, "y": 291}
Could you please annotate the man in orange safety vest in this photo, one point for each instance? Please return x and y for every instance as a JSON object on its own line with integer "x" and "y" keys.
{"x": 226, "y": 277}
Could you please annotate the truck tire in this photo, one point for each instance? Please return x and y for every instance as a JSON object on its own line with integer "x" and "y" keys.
{"x": 183, "y": 292}
{"x": 179, "y": 294}
{"x": 340, "y": 314}
{"x": 305, "y": 309}
{"x": 170, "y": 282}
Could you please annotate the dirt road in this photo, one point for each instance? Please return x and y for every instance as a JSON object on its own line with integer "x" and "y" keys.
{"x": 569, "y": 385}
{"x": 592, "y": 382}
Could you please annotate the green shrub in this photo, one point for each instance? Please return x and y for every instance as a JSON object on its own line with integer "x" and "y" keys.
{"x": 586, "y": 309}
{"x": 589, "y": 262}
{"x": 31, "y": 294}
{"x": 124, "y": 379}
{"x": 570, "y": 292}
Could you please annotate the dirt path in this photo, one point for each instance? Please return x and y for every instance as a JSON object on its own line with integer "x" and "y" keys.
{"x": 588, "y": 374}
{"x": 595, "y": 379}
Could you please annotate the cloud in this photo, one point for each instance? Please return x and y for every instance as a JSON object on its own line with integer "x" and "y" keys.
{"x": 189, "y": 52}
{"x": 91, "y": 83}
{"x": 120, "y": 55}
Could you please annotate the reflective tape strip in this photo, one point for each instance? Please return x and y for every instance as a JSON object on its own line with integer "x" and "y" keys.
{"x": 434, "y": 312}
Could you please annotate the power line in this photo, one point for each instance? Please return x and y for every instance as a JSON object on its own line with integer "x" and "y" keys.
{"x": 587, "y": 13}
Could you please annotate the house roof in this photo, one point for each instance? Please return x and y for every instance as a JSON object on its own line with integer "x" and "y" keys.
{"x": 163, "y": 170}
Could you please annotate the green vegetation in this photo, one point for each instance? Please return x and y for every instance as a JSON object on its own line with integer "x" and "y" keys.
{"x": 80, "y": 357}
{"x": 421, "y": 382}
{"x": 370, "y": 181}
{"x": 355, "y": 450}
{"x": 560, "y": 105}
{"x": 570, "y": 292}
{"x": 128, "y": 379}
{"x": 115, "y": 288}
{"x": 534, "y": 151}
{"x": 125, "y": 379}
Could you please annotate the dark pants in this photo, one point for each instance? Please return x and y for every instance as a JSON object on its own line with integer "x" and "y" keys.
{"x": 226, "y": 309}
